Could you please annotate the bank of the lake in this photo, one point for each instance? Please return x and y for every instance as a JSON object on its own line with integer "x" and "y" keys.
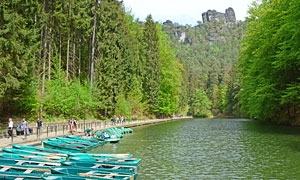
{"x": 51, "y": 130}
{"x": 213, "y": 149}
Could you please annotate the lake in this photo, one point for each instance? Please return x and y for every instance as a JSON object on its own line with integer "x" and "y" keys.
{"x": 213, "y": 149}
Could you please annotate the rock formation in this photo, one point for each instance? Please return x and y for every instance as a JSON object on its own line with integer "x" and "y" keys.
{"x": 213, "y": 15}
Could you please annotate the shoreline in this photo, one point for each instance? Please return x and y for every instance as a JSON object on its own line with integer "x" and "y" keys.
{"x": 34, "y": 140}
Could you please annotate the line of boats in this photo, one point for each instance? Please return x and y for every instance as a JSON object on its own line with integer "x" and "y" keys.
{"x": 62, "y": 158}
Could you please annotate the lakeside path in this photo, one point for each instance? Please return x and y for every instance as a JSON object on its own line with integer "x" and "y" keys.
{"x": 52, "y": 130}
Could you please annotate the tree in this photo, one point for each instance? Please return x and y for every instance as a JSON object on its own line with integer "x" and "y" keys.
{"x": 152, "y": 64}
{"x": 200, "y": 104}
{"x": 269, "y": 61}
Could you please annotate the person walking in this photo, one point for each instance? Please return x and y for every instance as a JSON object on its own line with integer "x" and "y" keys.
{"x": 24, "y": 127}
{"x": 10, "y": 127}
{"x": 70, "y": 123}
{"x": 39, "y": 125}
{"x": 75, "y": 124}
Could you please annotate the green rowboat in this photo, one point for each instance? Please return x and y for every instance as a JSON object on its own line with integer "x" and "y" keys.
{"x": 63, "y": 146}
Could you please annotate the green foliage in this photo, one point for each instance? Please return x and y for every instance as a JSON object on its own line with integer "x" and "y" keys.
{"x": 171, "y": 77}
{"x": 123, "y": 107}
{"x": 67, "y": 99}
{"x": 152, "y": 67}
{"x": 201, "y": 104}
{"x": 113, "y": 63}
{"x": 135, "y": 98}
{"x": 269, "y": 60}
{"x": 208, "y": 53}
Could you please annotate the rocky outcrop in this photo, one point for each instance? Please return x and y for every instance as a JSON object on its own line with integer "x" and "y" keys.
{"x": 213, "y": 15}
{"x": 230, "y": 15}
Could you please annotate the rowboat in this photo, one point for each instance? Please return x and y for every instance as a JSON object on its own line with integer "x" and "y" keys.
{"x": 69, "y": 177}
{"x": 40, "y": 149}
{"x": 86, "y": 139}
{"x": 135, "y": 161}
{"x": 112, "y": 140}
{"x": 63, "y": 146}
{"x": 101, "y": 166}
{"x": 125, "y": 130}
{"x": 70, "y": 143}
{"x": 112, "y": 169}
{"x": 30, "y": 157}
{"x": 25, "y": 162}
{"x": 24, "y": 169}
{"x": 94, "y": 173}
{"x": 33, "y": 152}
{"x": 117, "y": 163}
{"x": 80, "y": 142}
{"x": 23, "y": 176}
{"x": 101, "y": 155}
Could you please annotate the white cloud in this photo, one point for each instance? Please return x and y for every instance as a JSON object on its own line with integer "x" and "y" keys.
{"x": 184, "y": 12}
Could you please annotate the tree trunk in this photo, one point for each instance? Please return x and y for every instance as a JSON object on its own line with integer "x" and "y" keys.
{"x": 79, "y": 59}
{"x": 45, "y": 51}
{"x": 59, "y": 63}
{"x": 93, "y": 47}
{"x": 74, "y": 56}
{"x": 49, "y": 54}
{"x": 68, "y": 48}
{"x": 40, "y": 57}
{"x": 33, "y": 62}
{"x": 89, "y": 58}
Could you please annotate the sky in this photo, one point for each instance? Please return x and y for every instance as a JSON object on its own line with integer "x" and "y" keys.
{"x": 184, "y": 11}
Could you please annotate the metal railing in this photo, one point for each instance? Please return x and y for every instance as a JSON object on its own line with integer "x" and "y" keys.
{"x": 61, "y": 129}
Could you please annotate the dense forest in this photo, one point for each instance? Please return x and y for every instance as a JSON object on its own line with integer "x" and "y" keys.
{"x": 60, "y": 59}
{"x": 270, "y": 62}
{"x": 209, "y": 52}
{"x": 70, "y": 59}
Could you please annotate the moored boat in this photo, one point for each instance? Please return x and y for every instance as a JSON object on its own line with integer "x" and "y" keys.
{"x": 100, "y": 142}
{"x": 105, "y": 159}
{"x": 63, "y": 146}
{"x": 102, "y": 155}
{"x": 100, "y": 166}
{"x": 75, "y": 141}
{"x": 117, "y": 174}
{"x": 40, "y": 149}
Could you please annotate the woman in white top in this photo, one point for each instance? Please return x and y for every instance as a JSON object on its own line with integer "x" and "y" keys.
{"x": 10, "y": 127}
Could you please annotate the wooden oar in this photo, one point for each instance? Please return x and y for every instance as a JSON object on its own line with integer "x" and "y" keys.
{"x": 33, "y": 169}
{"x": 110, "y": 175}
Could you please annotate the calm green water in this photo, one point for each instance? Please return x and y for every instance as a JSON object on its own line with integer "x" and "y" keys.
{"x": 213, "y": 149}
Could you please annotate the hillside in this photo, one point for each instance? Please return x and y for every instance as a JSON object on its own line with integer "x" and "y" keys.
{"x": 209, "y": 52}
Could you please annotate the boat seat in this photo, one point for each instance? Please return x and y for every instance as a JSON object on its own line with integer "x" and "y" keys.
{"x": 96, "y": 166}
{"x": 4, "y": 169}
{"x": 19, "y": 163}
{"x": 26, "y": 172}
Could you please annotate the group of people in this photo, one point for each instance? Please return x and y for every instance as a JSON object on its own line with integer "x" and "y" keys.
{"x": 73, "y": 125}
{"x": 23, "y": 127}
{"x": 119, "y": 119}
{"x": 104, "y": 135}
